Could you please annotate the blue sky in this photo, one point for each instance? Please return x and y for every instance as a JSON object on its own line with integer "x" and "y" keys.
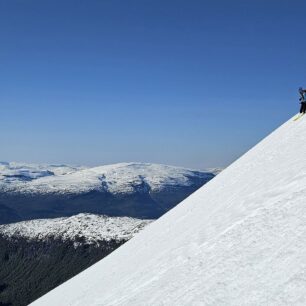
{"x": 188, "y": 83}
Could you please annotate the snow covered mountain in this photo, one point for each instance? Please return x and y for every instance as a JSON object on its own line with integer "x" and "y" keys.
{"x": 38, "y": 255}
{"x": 239, "y": 240}
{"x": 18, "y": 173}
{"x": 80, "y": 229}
{"x": 116, "y": 179}
{"x": 128, "y": 189}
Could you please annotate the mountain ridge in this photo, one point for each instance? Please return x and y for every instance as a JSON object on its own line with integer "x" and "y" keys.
{"x": 80, "y": 179}
{"x": 87, "y": 227}
{"x": 38, "y": 255}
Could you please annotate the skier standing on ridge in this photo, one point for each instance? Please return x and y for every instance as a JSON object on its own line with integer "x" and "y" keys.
{"x": 302, "y": 100}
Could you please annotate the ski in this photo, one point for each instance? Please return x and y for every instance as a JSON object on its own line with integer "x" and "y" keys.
{"x": 298, "y": 117}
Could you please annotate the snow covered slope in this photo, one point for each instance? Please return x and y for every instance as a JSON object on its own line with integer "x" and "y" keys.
{"x": 88, "y": 227}
{"x": 239, "y": 240}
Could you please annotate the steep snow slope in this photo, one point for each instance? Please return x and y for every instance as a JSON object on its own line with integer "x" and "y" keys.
{"x": 116, "y": 178}
{"x": 239, "y": 240}
{"x": 91, "y": 228}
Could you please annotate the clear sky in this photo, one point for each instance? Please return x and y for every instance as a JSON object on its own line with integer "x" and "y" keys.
{"x": 188, "y": 83}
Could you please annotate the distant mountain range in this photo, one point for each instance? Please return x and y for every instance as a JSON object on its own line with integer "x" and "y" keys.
{"x": 139, "y": 190}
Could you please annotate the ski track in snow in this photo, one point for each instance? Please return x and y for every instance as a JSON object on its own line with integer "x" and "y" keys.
{"x": 238, "y": 240}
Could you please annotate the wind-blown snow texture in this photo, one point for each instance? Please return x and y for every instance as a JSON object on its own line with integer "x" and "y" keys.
{"x": 238, "y": 240}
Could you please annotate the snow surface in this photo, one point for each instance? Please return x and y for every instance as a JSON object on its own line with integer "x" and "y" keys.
{"x": 238, "y": 240}
{"x": 91, "y": 228}
{"x": 116, "y": 178}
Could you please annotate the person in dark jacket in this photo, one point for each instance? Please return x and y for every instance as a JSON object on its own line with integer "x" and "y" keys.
{"x": 302, "y": 100}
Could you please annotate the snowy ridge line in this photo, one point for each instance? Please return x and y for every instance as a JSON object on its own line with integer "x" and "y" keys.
{"x": 82, "y": 228}
{"x": 117, "y": 178}
{"x": 238, "y": 240}
{"x": 33, "y": 171}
